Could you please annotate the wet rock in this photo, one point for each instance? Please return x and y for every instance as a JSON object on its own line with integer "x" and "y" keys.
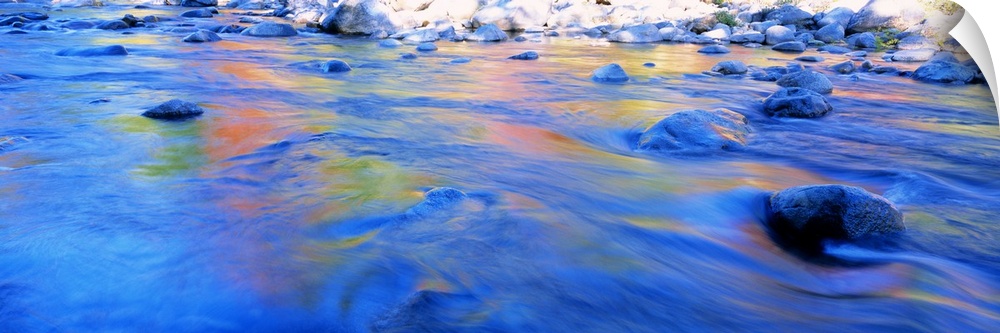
{"x": 856, "y": 54}
{"x": 113, "y": 50}
{"x": 864, "y": 40}
{"x": 270, "y": 29}
{"x": 913, "y": 55}
{"x": 810, "y": 59}
{"x": 643, "y": 33}
{"x": 831, "y": 33}
{"x": 228, "y": 29}
{"x": 886, "y": 14}
{"x": 336, "y": 66}
{"x": 747, "y": 37}
{"x": 513, "y": 14}
{"x": 199, "y": 3}
{"x": 426, "y": 47}
{"x": 488, "y": 33}
{"x": 839, "y": 15}
{"x": 364, "y": 17}
{"x": 833, "y": 49}
{"x": 461, "y": 60}
{"x": 174, "y": 109}
{"x": 112, "y": 25}
{"x": 867, "y": 65}
{"x": 131, "y": 20}
{"x": 422, "y": 36}
{"x": 389, "y": 43}
{"x": 730, "y": 67}
{"x": 719, "y": 129}
{"x": 884, "y": 69}
{"x": 12, "y": 20}
{"x": 198, "y": 13}
{"x": 714, "y": 49}
{"x": 666, "y": 33}
{"x": 809, "y": 80}
{"x": 778, "y": 34}
{"x": 649, "y": 64}
{"x": 202, "y": 36}
{"x": 407, "y": 56}
{"x": 796, "y": 103}
{"x": 807, "y": 216}
{"x": 437, "y": 199}
{"x": 846, "y": 67}
{"x": 609, "y": 73}
{"x": 944, "y": 68}
{"x": 793, "y": 47}
{"x": 528, "y": 55}
{"x": 9, "y": 78}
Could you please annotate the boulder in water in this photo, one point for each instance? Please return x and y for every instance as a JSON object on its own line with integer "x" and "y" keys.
{"x": 336, "y": 66}
{"x": 488, "y": 33}
{"x": 730, "y": 67}
{"x": 809, "y": 80}
{"x": 427, "y": 47}
{"x": 791, "y": 47}
{"x": 197, "y": 13}
{"x": 719, "y": 129}
{"x": 112, "y": 25}
{"x": 609, "y": 73}
{"x": 270, "y": 29}
{"x": 643, "y": 33}
{"x": 174, "y": 109}
{"x": 437, "y": 199}
{"x": 202, "y": 36}
{"x": 527, "y": 55}
{"x": 113, "y": 50}
{"x": 944, "y": 68}
{"x": 797, "y": 103}
{"x": 846, "y": 67}
{"x": 714, "y": 49}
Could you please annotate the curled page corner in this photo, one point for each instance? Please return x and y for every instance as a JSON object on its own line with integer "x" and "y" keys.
{"x": 969, "y": 34}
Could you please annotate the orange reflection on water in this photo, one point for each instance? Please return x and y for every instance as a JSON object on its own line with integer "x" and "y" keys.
{"x": 240, "y": 131}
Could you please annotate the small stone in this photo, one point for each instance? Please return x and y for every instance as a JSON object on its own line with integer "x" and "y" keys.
{"x": 270, "y": 29}
{"x": 426, "y": 47}
{"x": 795, "y": 47}
{"x": 408, "y": 56}
{"x": 846, "y": 67}
{"x": 202, "y": 36}
{"x": 810, "y": 59}
{"x": 528, "y": 55}
{"x": 610, "y": 73}
{"x": 714, "y": 49}
{"x": 336, "y": 66}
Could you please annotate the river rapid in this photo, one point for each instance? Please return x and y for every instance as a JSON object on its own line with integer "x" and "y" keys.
{"x": 286, "y": 207}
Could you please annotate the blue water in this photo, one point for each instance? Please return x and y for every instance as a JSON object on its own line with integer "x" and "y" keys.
{"x": 288, "y": 206}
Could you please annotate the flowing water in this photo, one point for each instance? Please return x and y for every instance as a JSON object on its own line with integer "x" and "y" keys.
{"x": 284, "y": 207}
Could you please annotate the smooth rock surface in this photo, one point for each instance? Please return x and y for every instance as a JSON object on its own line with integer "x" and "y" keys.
{"x": 527, "y": 55}
{"x": 174, "y": 110}
{"x": 792, "y": 47}
{"x": 335, "y": 66}
{"x": 797, "y": 103}
{"x": 730, "y": 67}
{"x": 643, "y": 33}
{"x": 714, "y": 49}
{"x": 202, "y": 36}
{"x": 719, "y": 129}
{"x": 270, "y": 29}
{"x": 113, "y": 50}
{"x": 807, "y": 216}
{"x": 609, "y": 73}
{"x": 809, "y": 80}
{"x": 488, "y": 33}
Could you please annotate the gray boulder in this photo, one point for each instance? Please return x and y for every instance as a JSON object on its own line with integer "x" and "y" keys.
{"x": 793, "y": 47}
{"x": 199, "y": 3}
{"x": 833, "y": 49}
{"x": 913, "y": 55}
{"x": 270, "y": 29}
{"x": 174, "y": 110}
{"x": 831, "y": 33}
{"x": 488, "y": 33}
{"x": 335, "y": 66}
{"x": 422, "y": 36}
{"x": 797, "y": 103}
{"x": 202, "y": 36}
{"x": 426, "y": 47}
{"x": 112, "y": 25}
{"x": 363, "y": 17}
{"x": 719, "y": 129}
{"x": 644, "y": 33}
{"x": 887, "y": 14}
{"x": 807, "y": 79}
{"x": 778, "y": 34}
{"x": 113, "y": 50}
{"x": 846, "y": 67}
{"x": 436, "y": 200}
{"x": 839, "y": 15}
{"x": 609, "y": 73}
{"x": 714, "y": 49}
{"x": 747, "y": 37}
{"x": 865, "y": 40}
{"x": 763, "y": 26}
{"x": 944, "y": 68}
{"x": 198, "y": 13}
{"x": 528, "y": 55}
{"x": 789, "y": 14}
{"x": 730, "y": 67}
{"x": 916, "y": 42}
{"x": 668, "y": 33}
{"x": 807, "y": 216}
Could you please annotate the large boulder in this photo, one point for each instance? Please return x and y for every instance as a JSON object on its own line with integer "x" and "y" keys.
{"x": 730, "y": 67}
{"x": 488, "y": 33}
{"x": 807, "y": 216}
{"x": 513, "y": 14}
{"x": 174, "y": 109}
{"x": 865, "y": 40}
{"x": 943, "y": 68}
{"x": 747, "y": 37}
{"x": 807, "y": 79}
{"x": 199, "y": 3}
{"x": 270, "y": 29}
{"x": 609, "y": 73}
{"x": 831, "y": 33}
{"x": 887, "y": 14}
{"x": 789, "y": 14}
{"x": 719, "y": 129}
{"x": 113, "y": 50}
{"x": 422, "y": 36}
{"x": 778, "y": 34}
{"x": 363, "y": 17}
{"x": 643, "y": 33}
{"x": 797, "y": 103}
{"x": 839, "y": 15}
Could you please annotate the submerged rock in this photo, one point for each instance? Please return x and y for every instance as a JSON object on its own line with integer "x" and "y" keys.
{"x": 719, "y": 129}
{"x": 609, "y": 73}
{"x": 809, "y": 80}
{"x": 913, "y": 55}
{"x": 270, "y": 29}
{"x": 730, "y": 67}
{"x": 796, "y": 103}
{"x": 643, "y": 33}
{"x": 714, "y": 49}
{"x": 833, "y": 49}
{"x": 944, "y": 68}
{"x": 807, "y": 216}
{"x": 528, "y": 55}
{"x": 336, "y": 66}
{"x": 9, "y": 78}
{"x": 810, "y": 59}
{"x": 793, "y": 47}
{"x": 427, "y": 47}
{"x": 886, "y": 14}
{"x": 199, "y": 3}
{"x": 846, "y": 67}
{"x": 112, "y": 25}
{"x": 198, "y": 13}
{"x": 113, "y": 50}
{"x": 389, "y": 43}
{"x": 488, "y": 33}
{"x": 202, "y": 36}
{"x": 174, "y": 109}
{"x": 437, "y": 199}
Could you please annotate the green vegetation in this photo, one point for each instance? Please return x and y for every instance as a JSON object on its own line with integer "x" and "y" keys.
{"x": 885, "y": 40}
{"x": 726, "y": 18}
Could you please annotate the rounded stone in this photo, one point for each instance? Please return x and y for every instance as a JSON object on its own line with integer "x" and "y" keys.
{"x": 797, "y": 103}
{"x": 610, "y": 73}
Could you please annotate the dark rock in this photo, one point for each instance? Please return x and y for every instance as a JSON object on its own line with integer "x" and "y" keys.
{"x": 810, "y": 59}
{"x": 884, "y": 69}
{"x": 197, "y": 13}
{"x": 199, "y": 3}
{"x": 833, "y": 49}
{"x": 113, "y": 50}
{"x": 270, "y": 29}
{"x": 528, "y": 55}
{"x": 719, "y": 129}
{"x": 426, "y": 47}
{"x": 649, "y": 64}
{"x": 33, "y": 16}
{"x": 131, "y": 20}
{"x": 714, "y": 49}
{"x": 730, "y": 67}
{"x": 609, "y": 73}
{"x": 846, "y": 67}
{"x": 794, "y": 47}
{"x": 796, "y": 103}
{"x": 809, "y": 80}
{"x": 174, "y": 110}
{"x": 865, "y": 40}
{"x": 488, "y": 33}
{"x": 229, "y": 29}
{"x": 9, "y": 78}
{"x": 437, "y": 199}
{"x": 112, "y": 25}
{"x": 202, "y": 36}
{"x": 408, "y": 56}
{"x": 336, "y": 66}
{"x": 11, "y": 20}
{"x": 867, "y": 65}
{"x": 643, "y": 33}
{"x": 16, "y": 32}
{"x": 831, "y": 33}
{"x": 944, "y": 69}
{"x": 807, "y": 216}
